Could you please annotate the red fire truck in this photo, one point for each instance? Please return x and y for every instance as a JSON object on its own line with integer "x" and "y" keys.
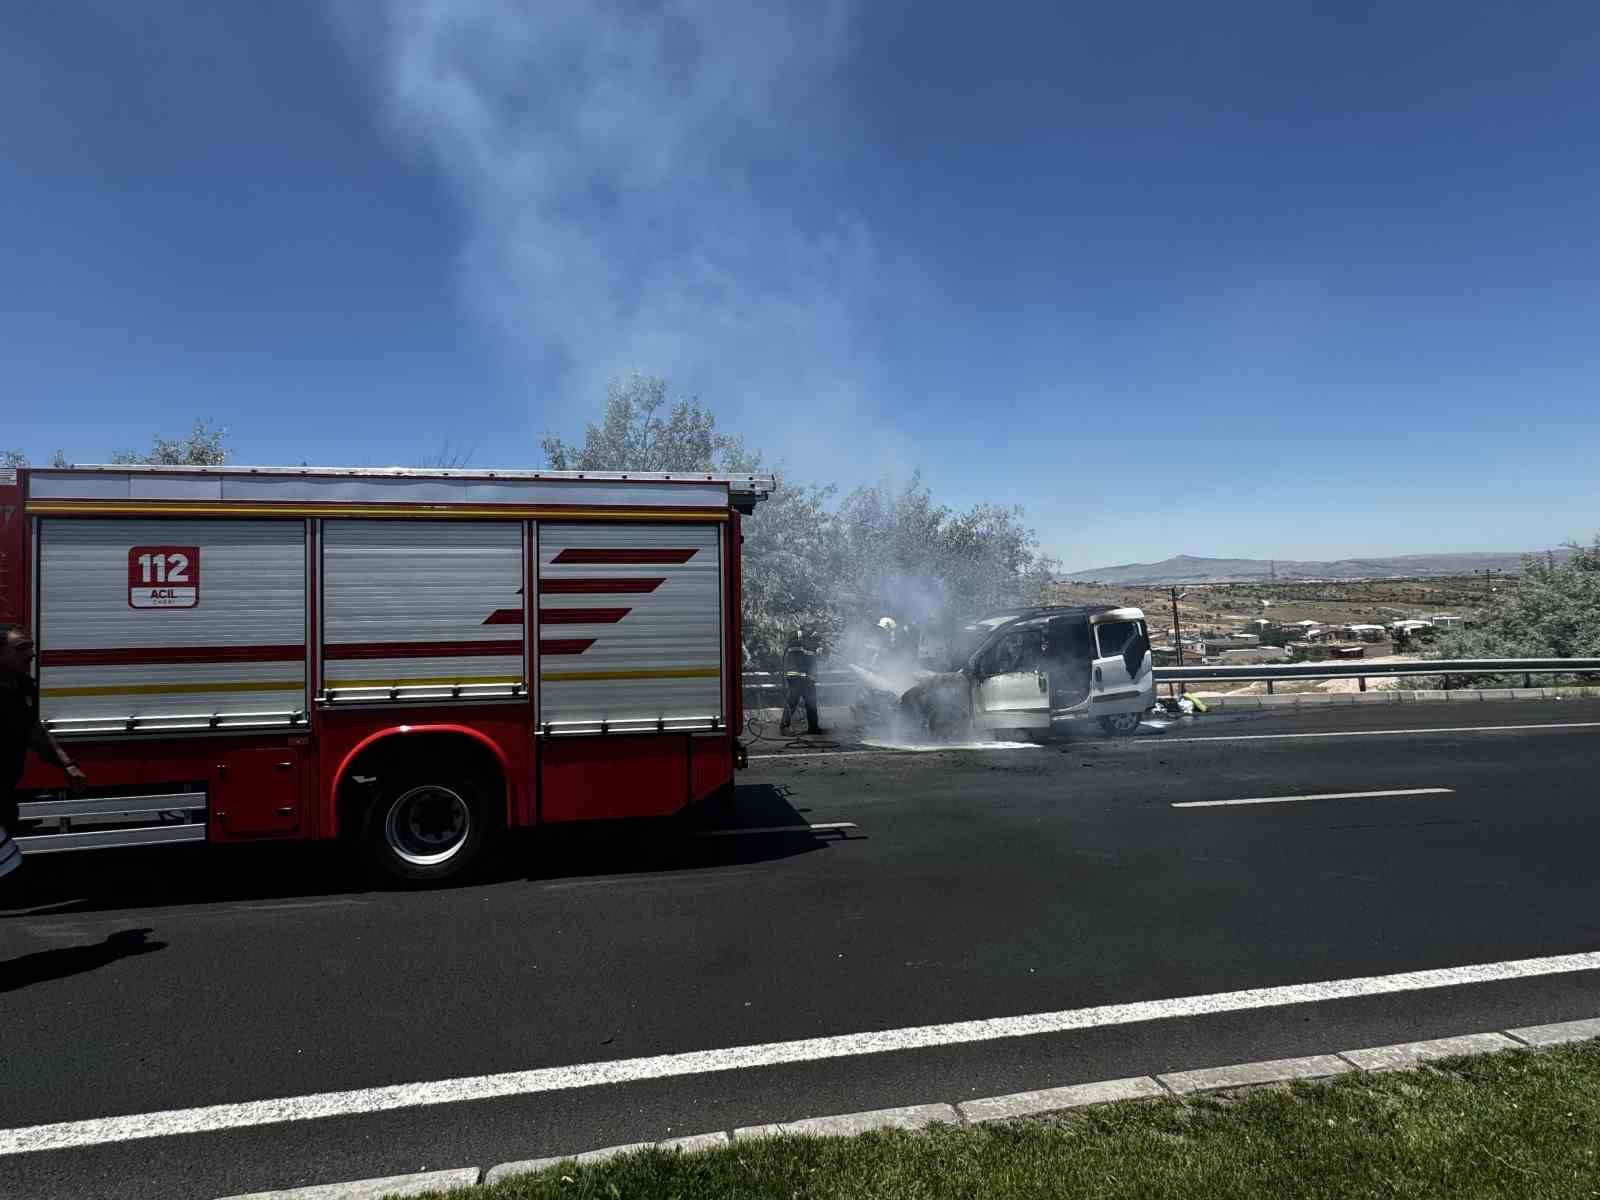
{"x": 417, "y": 660}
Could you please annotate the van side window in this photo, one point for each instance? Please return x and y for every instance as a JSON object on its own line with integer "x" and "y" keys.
{"x": 1124, "y": 638}
{"x": 1114, "y": 637}
{"x": 1014, "y": 652}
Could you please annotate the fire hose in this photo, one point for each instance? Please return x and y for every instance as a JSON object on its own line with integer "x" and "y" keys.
{"x": 757, "y": 729}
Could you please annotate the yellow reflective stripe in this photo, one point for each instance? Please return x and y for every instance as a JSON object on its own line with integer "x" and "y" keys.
{"x": 441, "y": 512}
{"x": 424, "y": 681}
{"x": 161, "y": 689}
{"x": 665, "y": 673}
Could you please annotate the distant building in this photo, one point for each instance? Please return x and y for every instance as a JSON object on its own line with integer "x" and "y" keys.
{"x": 1238, "y": 641}
{"x": 1410, "y": 626}
{"x": 1445, "y": 621}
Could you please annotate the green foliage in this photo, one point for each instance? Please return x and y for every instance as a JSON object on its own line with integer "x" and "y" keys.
{"x": 633, "y": 436}
{"x": 809, "y": 562}
{"x": 1554, "y": 613}
{"x": 1505, "y": 1126}
{"x": 203, "y": 447}
{"x": 16, "y": 458}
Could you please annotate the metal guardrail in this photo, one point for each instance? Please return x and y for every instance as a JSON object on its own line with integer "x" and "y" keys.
{"x": 1450, "y": 669}
{"x": 833, "y": 687}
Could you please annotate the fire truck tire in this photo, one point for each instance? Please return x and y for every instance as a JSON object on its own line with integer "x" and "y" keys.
{"x": 424, "y": 831}
{"x": 1122, "y": 724}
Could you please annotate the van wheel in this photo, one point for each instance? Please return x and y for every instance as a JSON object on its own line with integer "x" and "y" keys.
{"x": 1122, "y": 724}
{"x": 425, "y": 831}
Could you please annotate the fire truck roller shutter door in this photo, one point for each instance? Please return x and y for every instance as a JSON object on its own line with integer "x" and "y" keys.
{"x": 630, "y": 624}
{"x": 415, "y": 605}
{"x": 167, "y": 616}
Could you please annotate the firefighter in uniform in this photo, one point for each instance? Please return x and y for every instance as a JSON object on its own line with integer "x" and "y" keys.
{"x": 21, "y": 731}
{"x": 800, "y": 683}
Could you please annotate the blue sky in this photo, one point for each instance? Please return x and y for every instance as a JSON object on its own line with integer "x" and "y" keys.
{"x": 1274, "y": 279}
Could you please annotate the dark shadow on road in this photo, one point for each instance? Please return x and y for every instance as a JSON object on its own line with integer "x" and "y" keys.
{"x": 156, "y": 877}
{"x": 706, "y": 836}
{"x": 108, "y": 880}
{"x": 45, "y": 965}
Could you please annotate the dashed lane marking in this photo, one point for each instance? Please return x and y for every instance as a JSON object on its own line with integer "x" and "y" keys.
{"x": 1317, "y": 796}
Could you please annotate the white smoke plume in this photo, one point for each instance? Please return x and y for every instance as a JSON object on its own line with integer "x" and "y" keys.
{"x": 634, "y": 183}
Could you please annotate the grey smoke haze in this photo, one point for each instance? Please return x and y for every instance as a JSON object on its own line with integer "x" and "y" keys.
{"x": 630, "y": 178}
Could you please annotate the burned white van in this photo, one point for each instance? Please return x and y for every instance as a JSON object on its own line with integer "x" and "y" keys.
{"x": 1039, "y": 669}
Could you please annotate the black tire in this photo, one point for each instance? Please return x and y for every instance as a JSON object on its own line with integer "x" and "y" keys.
{"x": 1121, "y": 725}
{"x": 426, "y": 826}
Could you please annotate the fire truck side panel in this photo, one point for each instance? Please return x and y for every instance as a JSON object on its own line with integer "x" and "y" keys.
{"x": 732, "y": 601}
{"x": 221, "y": 637}
{"x": 416, "y": 605}
{"x": 256, "y": 792}
{"x": 630, "y": 627}
{"x": 141, "y": 762}
{"x": 629, "y": 775}
{"x": 710, "y": 763}
{"x": 13, "y": 551}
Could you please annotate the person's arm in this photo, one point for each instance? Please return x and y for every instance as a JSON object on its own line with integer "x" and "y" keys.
{"x": 45, "y": 745}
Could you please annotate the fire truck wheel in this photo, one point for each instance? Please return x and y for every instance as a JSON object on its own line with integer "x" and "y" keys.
{"x": 1122, "y": 724}
{"x": 425, "y": 832}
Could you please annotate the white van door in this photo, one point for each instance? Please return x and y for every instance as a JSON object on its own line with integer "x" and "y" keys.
{"x": 1012, "y": 690}
{"x": 1122, "y": 672}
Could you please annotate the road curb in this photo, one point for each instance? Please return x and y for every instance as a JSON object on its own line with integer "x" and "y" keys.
{"x": 1178, "y": 1085}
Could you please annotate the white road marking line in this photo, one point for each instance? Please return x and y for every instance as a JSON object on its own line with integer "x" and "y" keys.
{"x": 1275, "y": 737}
{"x": 65, "y": 1135}
{"x": 821, "y": 754}
{"x": 819, "y": 826}
{"x": 1319, "y": 796}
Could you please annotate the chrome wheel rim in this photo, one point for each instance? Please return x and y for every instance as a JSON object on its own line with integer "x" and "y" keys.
{"x": 427, "y": 825}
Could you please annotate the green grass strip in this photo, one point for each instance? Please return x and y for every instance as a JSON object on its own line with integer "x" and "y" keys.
{"x": 1517, "y": 1124}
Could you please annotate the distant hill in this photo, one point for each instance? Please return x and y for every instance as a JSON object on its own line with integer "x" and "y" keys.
{"x": 1186, "y": 568}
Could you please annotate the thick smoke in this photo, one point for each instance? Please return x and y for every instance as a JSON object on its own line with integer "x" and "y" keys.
{"x": 638, "y": 190}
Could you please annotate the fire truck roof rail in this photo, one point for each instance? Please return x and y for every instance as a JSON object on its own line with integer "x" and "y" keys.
{"x": 756, "y": 480}
{"x": 146, "y": 483}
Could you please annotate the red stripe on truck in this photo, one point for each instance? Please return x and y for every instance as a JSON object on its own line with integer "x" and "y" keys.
{"x": 625, "y": 556}
{"x": 564, "y": 645}
{"x": 560, "y": 616}
{"x": 597, "y": 587}
{"x": 130, "y": 656}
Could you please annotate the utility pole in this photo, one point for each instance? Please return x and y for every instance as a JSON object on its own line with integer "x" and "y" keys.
{"x": 1177, "y": 627}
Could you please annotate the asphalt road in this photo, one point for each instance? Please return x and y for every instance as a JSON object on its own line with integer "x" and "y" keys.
{"x": 974, "y": 884}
